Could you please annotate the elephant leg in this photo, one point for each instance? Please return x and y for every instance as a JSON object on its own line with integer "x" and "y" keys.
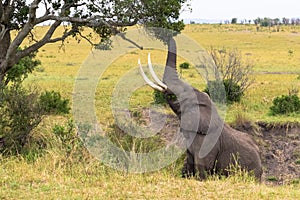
{"x": 188, "y": 169}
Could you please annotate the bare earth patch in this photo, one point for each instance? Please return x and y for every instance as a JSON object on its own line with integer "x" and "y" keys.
{"x": 280, "y": 147}
{"x": 280, "y": 150}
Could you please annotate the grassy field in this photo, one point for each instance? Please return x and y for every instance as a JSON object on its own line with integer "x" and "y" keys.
{"x": 276, "y": 57}
{"x": 55, "y": 176}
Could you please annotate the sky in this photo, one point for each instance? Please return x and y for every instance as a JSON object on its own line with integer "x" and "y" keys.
{"x": 242, "y": 9}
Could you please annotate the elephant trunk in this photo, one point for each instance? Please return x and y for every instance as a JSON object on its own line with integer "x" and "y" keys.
{"x": 170, "y": 76}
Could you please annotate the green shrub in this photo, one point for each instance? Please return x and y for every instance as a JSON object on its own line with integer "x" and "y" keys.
{"x": 68, "y": 136}
{"x": 215, "y": 89}
{"x": 184, "y": 65}
{"x": 53, "y": 103}
{"x": 159, "y": 97}
{"x": 20, "y": 114}
{"x": 21, "y": 111}
{"x": 285, "y": 104}
{"x": 224, "y": 91}
{"x": 233, "y": 69}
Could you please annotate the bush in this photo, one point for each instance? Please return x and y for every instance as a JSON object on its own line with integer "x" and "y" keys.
{"x": 285, "y": 104}
{"x": 21, "y": 111}
{"x": 53, "y": 103}
{"x": 217, "y": 90}
{"x": 184, "y": 65}
{"x": 20, "y": 114}
{"x": 67, "y": 136}
{"x": 235, "y": 72}
{"x": 159, "y": 97}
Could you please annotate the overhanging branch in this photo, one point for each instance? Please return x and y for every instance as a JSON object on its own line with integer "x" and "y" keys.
{"x": 46, "y": 39}
{"x": 96, "y": 21}
{"x": 23, "y": 33}
{"x": 122, "y": 35}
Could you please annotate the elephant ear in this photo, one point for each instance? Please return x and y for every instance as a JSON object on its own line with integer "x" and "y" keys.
{"x": 199, "y": 114}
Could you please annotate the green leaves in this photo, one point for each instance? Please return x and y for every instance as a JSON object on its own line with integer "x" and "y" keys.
{"x": 285, "y": 104}
{"x": 106, "y": 17}
{"x": 164, "y": 14}
{"x": 21, "y": 70}
{"x": 225, "y": 91}
{"x": 53, "y": 103}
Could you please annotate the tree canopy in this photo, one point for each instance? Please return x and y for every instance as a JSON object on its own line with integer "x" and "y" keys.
{"x": 106, "y": 17}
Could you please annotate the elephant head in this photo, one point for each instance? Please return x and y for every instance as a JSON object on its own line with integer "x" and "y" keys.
{"x": 194, "y": 108}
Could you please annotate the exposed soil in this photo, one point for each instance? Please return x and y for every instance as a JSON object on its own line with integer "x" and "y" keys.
{"x": 279, "y": 145}
{"x": 280, "y": 151}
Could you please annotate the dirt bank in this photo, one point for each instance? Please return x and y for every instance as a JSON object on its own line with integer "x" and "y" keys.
{"x": 279, "y": 145}
{"x": 280, "y": 148}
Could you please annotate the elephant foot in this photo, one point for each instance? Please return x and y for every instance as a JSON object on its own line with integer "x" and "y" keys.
{"x": 187, "y": 172}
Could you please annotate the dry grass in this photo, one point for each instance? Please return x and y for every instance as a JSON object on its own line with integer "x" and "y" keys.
{"x": 51, "y": 178}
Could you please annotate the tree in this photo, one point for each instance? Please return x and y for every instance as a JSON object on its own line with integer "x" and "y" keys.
{"x": 233, "y": 74}
{"x": 233, "y": 20}
{"x": 285, "y": 21}
{"x": 106, "y": 17}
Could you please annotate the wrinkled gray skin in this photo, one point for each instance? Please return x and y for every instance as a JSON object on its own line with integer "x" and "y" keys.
{"x": 212, "y": 145}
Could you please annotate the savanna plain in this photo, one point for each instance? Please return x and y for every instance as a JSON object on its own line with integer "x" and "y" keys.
{"x": 75, "y": 174}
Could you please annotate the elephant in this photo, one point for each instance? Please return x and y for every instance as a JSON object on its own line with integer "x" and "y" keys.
{"x": 212, "y": 146}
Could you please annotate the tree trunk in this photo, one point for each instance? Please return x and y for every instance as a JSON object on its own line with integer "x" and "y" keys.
{"x": 4, "y": 45}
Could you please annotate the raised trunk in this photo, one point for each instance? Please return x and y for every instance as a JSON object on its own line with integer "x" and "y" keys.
{"x": 170, "y": 78}
{"x": 178, "y": 93}
{"x": 170, "y": 73}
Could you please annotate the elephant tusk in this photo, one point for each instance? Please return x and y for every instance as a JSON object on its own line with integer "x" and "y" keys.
{"x": 159, "y": 82}
{"x": 147, "y": 80}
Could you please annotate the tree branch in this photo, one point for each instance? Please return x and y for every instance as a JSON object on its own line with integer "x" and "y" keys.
{"x": 47, "y": 10}
{"x": 1, "y": 10}
{"x": 11, "y": 52}
{"x": 95, "y": 21}
{"x": 46, "y": 39}
{"x": 122, "y": 35}
{"x": 87, "y": 39}
{"x": 3, "y": 31}
{"x": 64, "y": 36}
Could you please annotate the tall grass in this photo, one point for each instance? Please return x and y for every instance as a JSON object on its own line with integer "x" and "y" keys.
{"x": 51, "y": 177}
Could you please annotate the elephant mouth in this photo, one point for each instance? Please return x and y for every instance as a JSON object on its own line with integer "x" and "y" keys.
{"x": 159, "y": 85}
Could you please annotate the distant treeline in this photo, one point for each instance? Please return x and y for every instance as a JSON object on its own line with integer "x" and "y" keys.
{"x": 265, "y": 22}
